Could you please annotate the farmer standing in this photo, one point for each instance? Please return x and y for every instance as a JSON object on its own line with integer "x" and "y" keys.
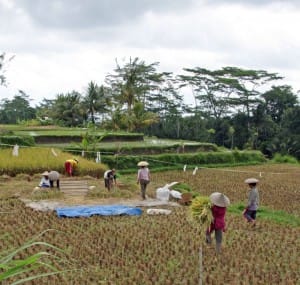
{"x": 143, "y": 177}
{"x": 70, "y": 166}
{"x": 253, "y": 201}
{"x": 219, "y": 203}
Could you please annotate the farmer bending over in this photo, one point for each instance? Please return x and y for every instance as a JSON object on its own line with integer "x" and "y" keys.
{"x": 110, "y": 178}
{"x": 70, "y": 166}
{"x": 45, "y": 181}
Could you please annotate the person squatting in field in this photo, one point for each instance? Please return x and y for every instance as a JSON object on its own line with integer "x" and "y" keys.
{"x": 220, "y": 202}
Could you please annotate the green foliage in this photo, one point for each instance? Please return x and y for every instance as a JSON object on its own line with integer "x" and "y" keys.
{"x": 12, "y": 266}
{"x": 185, "y": 188}
{"x": 280, "y": 217}
{"x": 16, "y": 110}
{"x": 284, "y": 159}
{"x": 190, "y": 159}
{"x": 182, "y": 187}
{"x": 6, "y": 132}
{"x": 19, "y": 140}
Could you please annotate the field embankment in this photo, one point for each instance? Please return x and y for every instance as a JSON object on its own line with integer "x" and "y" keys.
{"x": 32, "y": 160}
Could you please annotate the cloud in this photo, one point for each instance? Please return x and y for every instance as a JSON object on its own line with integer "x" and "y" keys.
{"x": 62, "y": 45}
{"x": 74, "y": 14}
{"x": 252, "y": 2}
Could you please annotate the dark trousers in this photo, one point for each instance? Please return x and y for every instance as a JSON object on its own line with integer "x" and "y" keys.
{"x": 144, "y": 184}
{"x": 52, "y": 183}
{"x": 250, "y": 215}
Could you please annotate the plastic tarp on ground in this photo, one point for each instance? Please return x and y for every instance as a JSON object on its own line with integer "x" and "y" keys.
{"x": 102, "y": 210}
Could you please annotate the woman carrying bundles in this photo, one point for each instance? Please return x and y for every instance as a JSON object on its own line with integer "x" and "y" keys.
{"x": 219, "y": 204}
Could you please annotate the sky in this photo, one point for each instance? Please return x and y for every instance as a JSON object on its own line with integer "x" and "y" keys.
{"x": 61, "y": 45}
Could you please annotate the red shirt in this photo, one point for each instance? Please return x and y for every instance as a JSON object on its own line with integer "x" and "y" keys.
{"x": 219, "y": 218}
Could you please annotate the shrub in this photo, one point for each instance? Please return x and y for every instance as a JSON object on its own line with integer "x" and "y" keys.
{"x": 284, "y": 159}
{"x": 19, "y": 140}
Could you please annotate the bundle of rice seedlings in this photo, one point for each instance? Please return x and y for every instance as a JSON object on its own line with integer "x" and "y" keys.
{"x": 200, "y": 210}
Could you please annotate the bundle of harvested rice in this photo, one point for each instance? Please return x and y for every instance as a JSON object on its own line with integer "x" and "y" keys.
{"x": 200, "y": 210}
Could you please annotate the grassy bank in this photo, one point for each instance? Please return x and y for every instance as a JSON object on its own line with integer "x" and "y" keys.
{"x": 280, "y": 217}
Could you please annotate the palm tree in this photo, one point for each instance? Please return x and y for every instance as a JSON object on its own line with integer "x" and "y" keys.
{"x": 96, "y": 100}
{"x": 68, "y": 109}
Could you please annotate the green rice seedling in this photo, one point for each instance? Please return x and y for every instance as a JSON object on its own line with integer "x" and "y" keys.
{"x": 12, "y": 266}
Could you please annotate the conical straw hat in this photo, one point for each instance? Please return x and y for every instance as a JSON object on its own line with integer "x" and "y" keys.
{"x": 143, "y": 163}
{"x": 219, "y": 199}
{"x": 251, "y": 180}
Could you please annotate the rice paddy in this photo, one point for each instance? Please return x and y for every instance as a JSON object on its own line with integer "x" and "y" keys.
{"x": 169, "y": 249}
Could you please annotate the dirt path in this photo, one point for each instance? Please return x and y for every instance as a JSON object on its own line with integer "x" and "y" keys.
{"x": 47, "y": 205}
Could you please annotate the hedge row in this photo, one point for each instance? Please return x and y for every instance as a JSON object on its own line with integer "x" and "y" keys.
{"x": 19, "y": 140}
{"x": 151, "y": 149}
{"x": 179, "y": 160}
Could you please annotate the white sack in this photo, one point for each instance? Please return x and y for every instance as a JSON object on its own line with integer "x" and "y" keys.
{"x": 158, "y": 212}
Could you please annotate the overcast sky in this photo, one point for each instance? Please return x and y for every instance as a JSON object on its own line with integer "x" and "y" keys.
{"x": 62, "y": 45}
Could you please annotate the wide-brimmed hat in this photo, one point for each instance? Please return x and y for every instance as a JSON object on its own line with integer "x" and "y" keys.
{"x": 143, "y": 163}
{"x": 219, "y": 199}
{"x": 251, "y": 181}
{"x": 45, "y": 173}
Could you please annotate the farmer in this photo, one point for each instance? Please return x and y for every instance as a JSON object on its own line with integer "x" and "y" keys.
{"x": 45, "y": 181}
{"x": 143, "y": 177}
{"x": 110, "y": 178}
{"x": 253, "y": 201}
{"x": 219, "y": 204}
{"x": 54, "y": 176}
{"x": 70, "y": 166}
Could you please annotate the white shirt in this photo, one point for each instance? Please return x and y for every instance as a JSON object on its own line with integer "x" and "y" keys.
{"x": 44, "y": 182}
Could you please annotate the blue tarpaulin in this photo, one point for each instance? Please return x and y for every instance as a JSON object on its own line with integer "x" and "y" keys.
{"x": 103, "y": 210}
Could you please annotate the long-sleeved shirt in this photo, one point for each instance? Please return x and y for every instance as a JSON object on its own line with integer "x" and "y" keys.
{"x": 45, "y": 182}
{"x": 253, "y": 199}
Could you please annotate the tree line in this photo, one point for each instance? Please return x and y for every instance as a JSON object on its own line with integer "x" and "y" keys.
{"x": 232, "y": 107}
